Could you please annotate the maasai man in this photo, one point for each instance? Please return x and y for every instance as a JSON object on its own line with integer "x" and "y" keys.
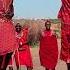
{"x": 23, "y": 54}
{"x": 64, "y": 16}
{"x": 48, "y": 48}
{"x": 8, "y": 43}
{"x": 15, "y": 55}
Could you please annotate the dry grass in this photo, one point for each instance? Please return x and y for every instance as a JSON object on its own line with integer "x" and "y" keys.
{"x": 36, "y": 26}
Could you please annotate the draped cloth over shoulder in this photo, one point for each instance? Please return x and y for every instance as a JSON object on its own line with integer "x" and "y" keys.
{"x": 64, "y": 13}
{"x": 8, "y": 42}
{"x": 64, "y": 17}
{"x": 24, "y": 56}
{"x": 6, "y": 9}
{"x": 48, "y": 50}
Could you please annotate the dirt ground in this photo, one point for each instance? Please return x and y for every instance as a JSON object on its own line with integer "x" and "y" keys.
{"x": 36, "y": 63}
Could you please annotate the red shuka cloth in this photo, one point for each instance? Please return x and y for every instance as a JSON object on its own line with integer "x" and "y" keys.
{"x": 64, "y": 13}
{"x": 1, "y": 6}
{"x": 5, "y": 5}
{"x": 65, "y": 43}
{"x": 8, "y": 42}
{"x": 48, "y": 50}
{"x": 64, "y": 16}
{"x": 23, "y": 57}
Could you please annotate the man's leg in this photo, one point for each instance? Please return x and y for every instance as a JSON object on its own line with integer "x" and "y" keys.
{"x": 6, "y": 61}
{"x": 29, "y": 68}
{"x": 46, "y": 69}
{"x": 68, "y": 66}
{"x": 1, "y": 59}
{"x": 16, "y": 56}
{"x": 10, "y": 68}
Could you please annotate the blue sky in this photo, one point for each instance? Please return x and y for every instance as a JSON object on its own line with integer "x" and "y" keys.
{"x": 36, "y": 8}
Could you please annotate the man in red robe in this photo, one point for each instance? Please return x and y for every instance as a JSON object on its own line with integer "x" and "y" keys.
{"x": 23, "y": 55}
{"x": 8, "y": 43}
{"x": 64, "y": 17}
{"x": 48, "y": 48}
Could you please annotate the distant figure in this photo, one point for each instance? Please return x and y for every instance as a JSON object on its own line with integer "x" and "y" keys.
{"x": 15, "y": 55}
{"x": 8, "y": 42}
{"x": 64, "y": 17}
{"x": 23, "y": 54}
{"x": 48, "y": 48}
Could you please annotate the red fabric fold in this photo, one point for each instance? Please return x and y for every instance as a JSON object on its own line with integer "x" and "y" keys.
{"x": 64, "y": 13}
